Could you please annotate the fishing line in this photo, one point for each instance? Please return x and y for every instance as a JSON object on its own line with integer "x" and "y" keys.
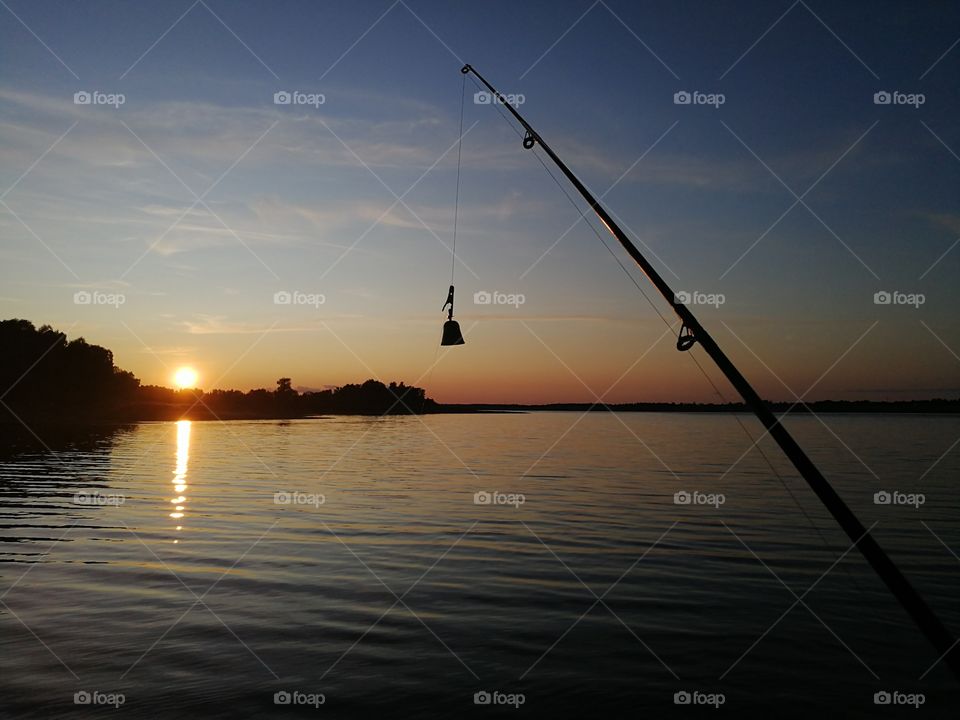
{"x": 756, "y": 444}
{"x": 716, "y": 390}
{"x": 582, "y": 215}
{"x": 456, "y": 203}
{"x": 456, "y": 212}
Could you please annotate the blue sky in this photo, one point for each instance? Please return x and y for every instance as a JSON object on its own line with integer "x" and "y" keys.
{"x": 298, "y": 197}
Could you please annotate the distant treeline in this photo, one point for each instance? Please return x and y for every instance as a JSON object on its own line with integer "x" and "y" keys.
{"x": 370, "y": 398}
{"x": 44, "y": 377}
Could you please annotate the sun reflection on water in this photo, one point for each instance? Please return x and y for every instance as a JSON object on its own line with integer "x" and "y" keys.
{"x": 180, "y": 472}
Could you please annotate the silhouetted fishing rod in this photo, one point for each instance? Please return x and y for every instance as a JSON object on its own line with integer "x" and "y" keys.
{"x": 692, "y": 332}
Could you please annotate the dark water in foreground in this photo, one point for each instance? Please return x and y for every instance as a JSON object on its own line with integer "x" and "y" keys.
{"x": 205, "y": 593}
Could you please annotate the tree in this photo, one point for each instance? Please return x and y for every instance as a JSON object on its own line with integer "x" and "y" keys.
{"x": 287, "y": 399}
{"x": 48, "y": 376}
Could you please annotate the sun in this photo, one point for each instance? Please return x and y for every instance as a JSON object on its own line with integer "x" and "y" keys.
{"x": 185, "y": 377}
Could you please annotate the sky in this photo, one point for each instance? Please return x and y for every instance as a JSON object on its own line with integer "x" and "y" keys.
{"x": 162, "y": 218}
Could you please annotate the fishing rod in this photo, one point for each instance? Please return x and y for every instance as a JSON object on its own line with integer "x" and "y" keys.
{"x": 691, "y": 333}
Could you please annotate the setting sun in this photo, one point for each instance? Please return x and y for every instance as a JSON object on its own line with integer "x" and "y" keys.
{"x": 185, "y": 377}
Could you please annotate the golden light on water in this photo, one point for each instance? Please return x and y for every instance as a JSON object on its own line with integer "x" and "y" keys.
{"x": 180, "y": 469}
{"x": 185, "y": 377}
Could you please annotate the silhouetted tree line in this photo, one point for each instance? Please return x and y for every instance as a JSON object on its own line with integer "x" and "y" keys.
{"x": 370, "y": 398}
{"x": 44, "y": 376}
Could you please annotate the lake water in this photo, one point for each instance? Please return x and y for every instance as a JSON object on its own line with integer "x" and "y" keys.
{"x": 201, "y": 568}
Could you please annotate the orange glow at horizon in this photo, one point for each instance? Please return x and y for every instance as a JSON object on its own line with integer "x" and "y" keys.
{"x": 575, "y": 361}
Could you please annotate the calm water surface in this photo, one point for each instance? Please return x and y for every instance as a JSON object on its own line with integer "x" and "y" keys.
{"x": 349, "y": 557}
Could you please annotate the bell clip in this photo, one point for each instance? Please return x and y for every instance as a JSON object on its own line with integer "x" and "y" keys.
{"x": 452, "y": 334}
{"x": 451, "y": 328}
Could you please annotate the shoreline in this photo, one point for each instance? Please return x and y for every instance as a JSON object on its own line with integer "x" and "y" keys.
{"x": 172, "y": 413}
